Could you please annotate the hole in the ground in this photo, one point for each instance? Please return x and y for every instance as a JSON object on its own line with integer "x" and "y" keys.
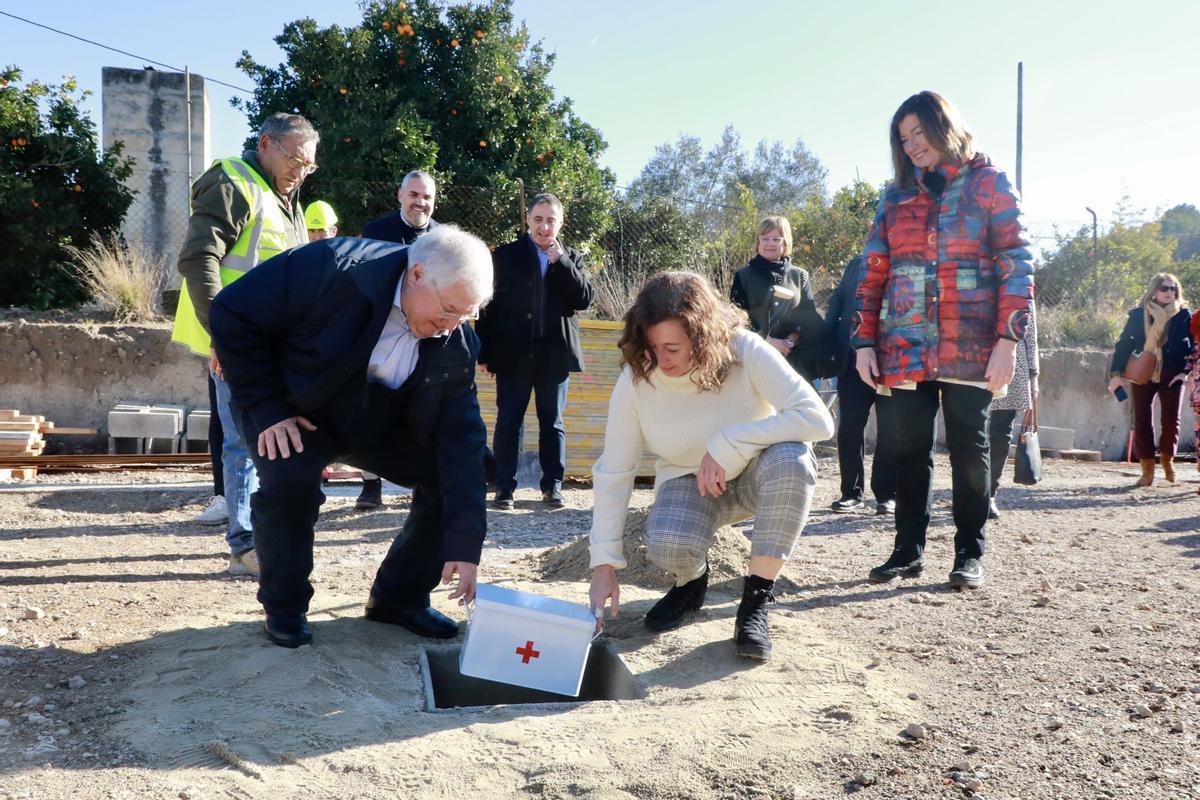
{"x": 605, "y": 677}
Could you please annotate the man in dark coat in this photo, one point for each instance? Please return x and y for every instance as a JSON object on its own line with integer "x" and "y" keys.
{"x": 530, "y": 342}
{"x": 855, "y": 399}
{"x": 355, "y": 350}
{"x": 416, "y": 196}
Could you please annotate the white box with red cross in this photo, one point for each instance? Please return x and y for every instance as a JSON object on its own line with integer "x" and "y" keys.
{"x": 527, "y": 640}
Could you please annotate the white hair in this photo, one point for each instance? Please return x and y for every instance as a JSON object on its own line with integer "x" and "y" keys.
{"x": 452, "y": 256}
{"x": 281, "y": 126}
{"x": 421, "y": 174}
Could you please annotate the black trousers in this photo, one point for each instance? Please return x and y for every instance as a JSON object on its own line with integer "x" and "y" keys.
{"x": 547, "y": 382}
{"x": 855, "y": 399}
{"x": 363, "y": 426}
{"x": 216, "y": 439}
{"x": 965, "y": 409}
{"x": 1000, "y": 424}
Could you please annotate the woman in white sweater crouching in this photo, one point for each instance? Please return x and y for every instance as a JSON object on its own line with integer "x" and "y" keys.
{"x": 727, "y": 420}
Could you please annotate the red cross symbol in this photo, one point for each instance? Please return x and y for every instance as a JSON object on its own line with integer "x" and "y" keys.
{"x": 527, "y": 652}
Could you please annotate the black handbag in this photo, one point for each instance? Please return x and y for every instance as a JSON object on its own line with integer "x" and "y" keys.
{"x": 1027, "y": 468}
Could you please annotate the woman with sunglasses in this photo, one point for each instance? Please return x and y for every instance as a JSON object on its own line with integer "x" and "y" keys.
{"x": 1159, "y": 325}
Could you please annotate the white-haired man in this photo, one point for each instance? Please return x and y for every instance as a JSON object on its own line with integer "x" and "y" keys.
{"x": 361, "y": 356}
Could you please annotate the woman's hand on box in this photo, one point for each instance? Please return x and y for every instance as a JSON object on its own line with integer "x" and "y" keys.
{"x": 604, "y": 588}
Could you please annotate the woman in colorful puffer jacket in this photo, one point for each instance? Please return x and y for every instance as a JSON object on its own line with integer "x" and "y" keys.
{"x": 949, "y": 266}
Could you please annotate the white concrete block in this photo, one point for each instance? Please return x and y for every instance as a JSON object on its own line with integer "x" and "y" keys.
{"x": 144, "y": 424}
{"x": 197, "y": 425}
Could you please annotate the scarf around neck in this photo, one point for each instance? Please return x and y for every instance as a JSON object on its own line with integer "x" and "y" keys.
{"x": 1156, "y": 318}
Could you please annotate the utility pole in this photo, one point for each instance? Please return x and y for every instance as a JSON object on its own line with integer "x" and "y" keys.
{"x": 1095, "y": 261}
{"x": 1020, "y": 118}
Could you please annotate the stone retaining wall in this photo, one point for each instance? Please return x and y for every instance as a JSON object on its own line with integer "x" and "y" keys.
{"x": 74, "y": 373}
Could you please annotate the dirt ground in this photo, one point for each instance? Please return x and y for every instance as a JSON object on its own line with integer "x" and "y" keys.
{"x": 131, "y": 666}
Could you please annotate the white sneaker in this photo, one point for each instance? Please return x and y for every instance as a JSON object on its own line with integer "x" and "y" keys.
{"x": 215, "y": 514}
{"x": 244, "y": 564}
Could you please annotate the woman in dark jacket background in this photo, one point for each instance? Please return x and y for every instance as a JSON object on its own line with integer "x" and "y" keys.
{"x": 793, "y": 326}
{"x": 1160, "y": 325}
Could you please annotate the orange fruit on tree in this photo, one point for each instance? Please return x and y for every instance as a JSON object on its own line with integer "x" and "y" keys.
{"x": 499, "y": 79}
{"x": 386, "y": 25}
{"x": 454, "y": 42}
{"x": 78, "y": 188}
{"x": 343, "y": 90}
{"x": 483, "y": 142}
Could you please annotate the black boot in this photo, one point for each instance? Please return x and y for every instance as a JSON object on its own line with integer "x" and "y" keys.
{"x": 751, "y": 634}
{"x": 668, "y": 612}
{"x": 898, "y": 565}
{"x": 371, "y": 497}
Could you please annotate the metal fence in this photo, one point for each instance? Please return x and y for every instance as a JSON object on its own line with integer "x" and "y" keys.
{"x": 1078, "y": 303}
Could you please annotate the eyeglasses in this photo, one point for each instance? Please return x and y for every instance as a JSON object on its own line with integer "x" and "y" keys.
{"x": 297, "y": 163}
{"x": 771, "y": 239}
{"x": 448, "y": 315}
{"x": 1168, "y": 287}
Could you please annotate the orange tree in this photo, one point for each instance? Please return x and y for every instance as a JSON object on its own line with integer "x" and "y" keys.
{"x": 458, "y": 90}
{"x": 56, "y": 189}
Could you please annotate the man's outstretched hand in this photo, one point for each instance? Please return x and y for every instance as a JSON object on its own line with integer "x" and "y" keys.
{"x": 464, "y": 592}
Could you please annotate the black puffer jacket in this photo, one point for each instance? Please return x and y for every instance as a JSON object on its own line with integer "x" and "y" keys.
{"x": 751, "y": 290}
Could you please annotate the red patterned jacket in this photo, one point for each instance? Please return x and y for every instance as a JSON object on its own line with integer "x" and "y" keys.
{"x": 947, "y": 275}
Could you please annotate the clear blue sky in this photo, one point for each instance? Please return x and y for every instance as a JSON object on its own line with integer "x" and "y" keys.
{"x": 1112, "y": 89}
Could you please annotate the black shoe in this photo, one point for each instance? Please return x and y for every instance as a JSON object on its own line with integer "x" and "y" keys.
{"x": 503, "y": 500}
{"x": 885, "y": 507}
{"x": 993, "y": 511}
{"x": 847, "y": 504}
{"x": 897, "y": 566}
{"x": 751, "y": 633}
{"x": 553, "y": 498}
{"x": 290, "y": 630}
{"x": 968, "y": 573}
{"x": 667, "y": 613}
{"x": 371, "y": 497}
{"x": 421, "y": 621}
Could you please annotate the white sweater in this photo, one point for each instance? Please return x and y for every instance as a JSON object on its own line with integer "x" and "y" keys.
{"x": 762, "y": 402}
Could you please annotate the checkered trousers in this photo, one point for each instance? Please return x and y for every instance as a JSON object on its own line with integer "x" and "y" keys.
{"x": 776, "y": 489}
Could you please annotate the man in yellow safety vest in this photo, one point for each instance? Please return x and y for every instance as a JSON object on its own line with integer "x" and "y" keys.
{"x": 244, "y": 211}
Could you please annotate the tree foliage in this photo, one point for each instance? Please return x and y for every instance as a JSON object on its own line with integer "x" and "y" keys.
{"x": 1183, "y": 223}
{"x": 458, "y": 90}
{"x": 56, "y": 190}
{"x": 778, "y": 178}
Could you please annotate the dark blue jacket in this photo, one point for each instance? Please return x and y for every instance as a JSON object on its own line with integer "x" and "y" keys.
{"x": 527, "y": 309}
{"x": 293, "y": 330}
{"x": 840, "y": 312}
{"x": 393, "y": 228}
{"x": 1176, "y": 348}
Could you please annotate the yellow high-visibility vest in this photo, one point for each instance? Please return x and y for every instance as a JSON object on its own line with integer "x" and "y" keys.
{"x": 265, "y": 235}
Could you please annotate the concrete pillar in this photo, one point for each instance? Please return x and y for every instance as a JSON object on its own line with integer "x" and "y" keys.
{"x": 148, "y": 111}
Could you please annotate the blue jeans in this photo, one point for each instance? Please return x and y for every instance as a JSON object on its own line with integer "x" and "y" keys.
{"x": 241, "y": 479}
{"x": 549, "y": 388}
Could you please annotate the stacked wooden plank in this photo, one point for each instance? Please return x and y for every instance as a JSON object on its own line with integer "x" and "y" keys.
{"x": 588, "y": 393}
{"x": 23, "y": 437}
{"x": 20, "y": 435}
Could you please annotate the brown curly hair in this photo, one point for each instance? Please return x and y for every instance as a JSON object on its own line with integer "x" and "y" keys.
{"x": 711, "y": 325}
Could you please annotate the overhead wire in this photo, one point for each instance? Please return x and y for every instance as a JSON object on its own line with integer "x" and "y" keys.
{"x": 122, "y": 52}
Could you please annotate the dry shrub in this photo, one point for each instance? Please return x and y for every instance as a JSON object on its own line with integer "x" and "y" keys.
{"x": 1080, "y": 325}
{"x": 124, "y": 279}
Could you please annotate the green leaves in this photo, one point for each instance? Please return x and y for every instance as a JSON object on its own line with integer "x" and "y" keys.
{"x": 452, "y": 89}
{"x": 55, "y": 189}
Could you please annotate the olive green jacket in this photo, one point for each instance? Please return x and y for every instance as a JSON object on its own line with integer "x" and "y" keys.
{"x": 219, "y": 212}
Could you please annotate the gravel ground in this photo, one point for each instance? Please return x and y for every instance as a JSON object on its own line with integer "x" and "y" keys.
{"x": 1073, "y": 673}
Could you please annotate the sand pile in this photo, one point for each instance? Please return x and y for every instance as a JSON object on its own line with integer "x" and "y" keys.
{"x": 727, "y": 559}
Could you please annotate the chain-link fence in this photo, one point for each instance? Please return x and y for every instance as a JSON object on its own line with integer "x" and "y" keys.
{"x": 1082, "y": 296}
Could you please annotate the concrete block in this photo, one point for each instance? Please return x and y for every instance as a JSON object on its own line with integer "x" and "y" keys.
{"x": 144, "y": 424}
{"x": 197, "y": 425}
{"x": 1056, "y": 438}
